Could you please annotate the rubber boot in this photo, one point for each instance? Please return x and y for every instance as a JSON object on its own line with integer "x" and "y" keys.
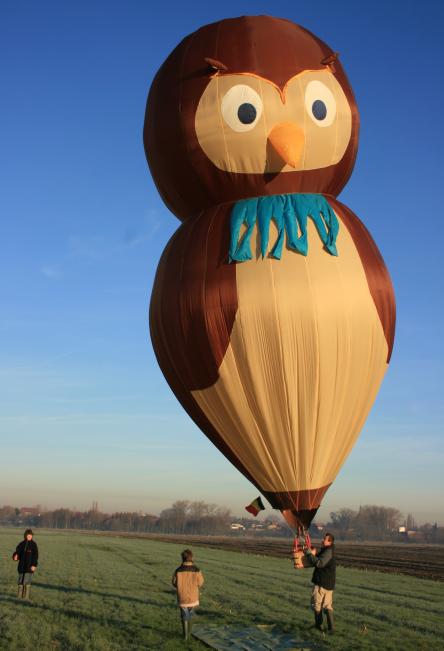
{"x": 330, "y": 622}
{"x": 190, "y": 627}
{"x": 187, "y": 629}
{"x": 318, "y": 619}
{"x": 26, "y": 592}
{"x": 20, "y": 591}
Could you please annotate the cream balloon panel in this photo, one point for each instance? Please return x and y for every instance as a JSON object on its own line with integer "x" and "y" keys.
{"x": 306, "y": 358}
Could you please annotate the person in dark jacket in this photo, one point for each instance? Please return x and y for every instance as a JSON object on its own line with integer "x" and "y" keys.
{"x": 323, "y": 579}
{"x": 27, "y": 555}
{"x": 187, "y": 580}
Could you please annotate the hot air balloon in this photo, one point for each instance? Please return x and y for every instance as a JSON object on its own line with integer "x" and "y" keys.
{"x": 272, "y": 314}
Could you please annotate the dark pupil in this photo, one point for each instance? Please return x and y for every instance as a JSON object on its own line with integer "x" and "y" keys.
{"x": 319, "y": 109}
{"x": 246, "y": 113}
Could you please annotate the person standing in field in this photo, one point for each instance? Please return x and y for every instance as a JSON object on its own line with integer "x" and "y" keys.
{"x": 187, "y": 580}
{"x": 323, "y": 579}
{"x": 27, "y": 555}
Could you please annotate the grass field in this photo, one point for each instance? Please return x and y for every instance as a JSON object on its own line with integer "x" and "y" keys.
{"x": 110, "y": 593}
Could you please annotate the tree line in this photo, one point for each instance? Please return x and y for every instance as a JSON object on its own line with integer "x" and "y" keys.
{"x": 185, "y": 517}
{"x": 373, "y": 522}
{"x": 369, "y": 522}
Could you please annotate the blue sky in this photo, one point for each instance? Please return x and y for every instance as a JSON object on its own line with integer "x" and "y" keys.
{"x": 85, "y": 413}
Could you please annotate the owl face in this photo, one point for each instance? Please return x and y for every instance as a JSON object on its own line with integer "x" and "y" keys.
{"x": 246, "y": 124}
{"x": 278, "y": 116}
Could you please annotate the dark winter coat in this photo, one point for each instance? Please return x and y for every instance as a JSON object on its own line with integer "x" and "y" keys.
{"x": 28, "y": 556}
{"x": 324, "y": 563}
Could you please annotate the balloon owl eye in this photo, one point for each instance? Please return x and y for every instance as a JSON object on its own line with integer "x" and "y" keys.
{"x": 241, "y": 108}
{"x": 320, "y": 103}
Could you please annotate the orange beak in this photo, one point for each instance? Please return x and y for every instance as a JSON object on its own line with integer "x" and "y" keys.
{"x": 287, "y": 138}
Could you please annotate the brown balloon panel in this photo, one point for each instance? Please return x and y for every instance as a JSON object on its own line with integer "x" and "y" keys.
{"x": 277, "y": 361}
{"x": 298, "y": 507}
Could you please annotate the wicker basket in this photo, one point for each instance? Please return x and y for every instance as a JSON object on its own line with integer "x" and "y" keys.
{"x": 300, "y": 561}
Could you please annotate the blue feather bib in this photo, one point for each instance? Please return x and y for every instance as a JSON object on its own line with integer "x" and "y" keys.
{"x": 290, "y": 213}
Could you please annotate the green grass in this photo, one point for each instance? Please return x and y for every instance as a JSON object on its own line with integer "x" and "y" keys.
{"x": 108, "y": 593}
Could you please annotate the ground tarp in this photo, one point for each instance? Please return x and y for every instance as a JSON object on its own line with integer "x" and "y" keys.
{"x": 251, "y": 638}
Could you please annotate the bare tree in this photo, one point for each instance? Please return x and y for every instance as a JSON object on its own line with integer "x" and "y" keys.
{"x": 377, "y": 522}
{"x": 343, "y": 521}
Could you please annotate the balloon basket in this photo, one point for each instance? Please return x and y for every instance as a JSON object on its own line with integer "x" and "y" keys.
{"x": 300, "y": 561}
{"x": 301, "y": 542}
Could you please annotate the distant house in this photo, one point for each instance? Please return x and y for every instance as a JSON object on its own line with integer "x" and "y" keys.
{"x": 236, "y": 526}
{"x": 28, "y": 511}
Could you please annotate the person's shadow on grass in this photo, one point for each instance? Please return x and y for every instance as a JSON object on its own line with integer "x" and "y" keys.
{"x": 118, "y": 624}
{"x": 111, "y": 595}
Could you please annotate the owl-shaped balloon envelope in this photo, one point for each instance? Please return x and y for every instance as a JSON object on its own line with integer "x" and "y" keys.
{"x": 272, "y": 314}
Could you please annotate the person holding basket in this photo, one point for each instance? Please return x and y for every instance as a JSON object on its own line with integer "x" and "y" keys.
{"x": 324, "y": 580}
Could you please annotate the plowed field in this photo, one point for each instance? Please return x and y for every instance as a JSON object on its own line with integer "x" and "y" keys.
{"x": 423, "y": 561}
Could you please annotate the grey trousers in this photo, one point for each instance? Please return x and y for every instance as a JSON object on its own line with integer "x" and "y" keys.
{"x": 186, "y": 613}
{"x": 25, "y": 579}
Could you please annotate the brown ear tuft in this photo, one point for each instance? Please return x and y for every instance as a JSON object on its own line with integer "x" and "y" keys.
{"x": 330, "y": 60}
{"x": 215, "y": 65}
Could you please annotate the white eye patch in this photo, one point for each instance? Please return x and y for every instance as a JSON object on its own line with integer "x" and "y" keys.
{"x": 320, "y": 103}
{"x": 241, "y": 108}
